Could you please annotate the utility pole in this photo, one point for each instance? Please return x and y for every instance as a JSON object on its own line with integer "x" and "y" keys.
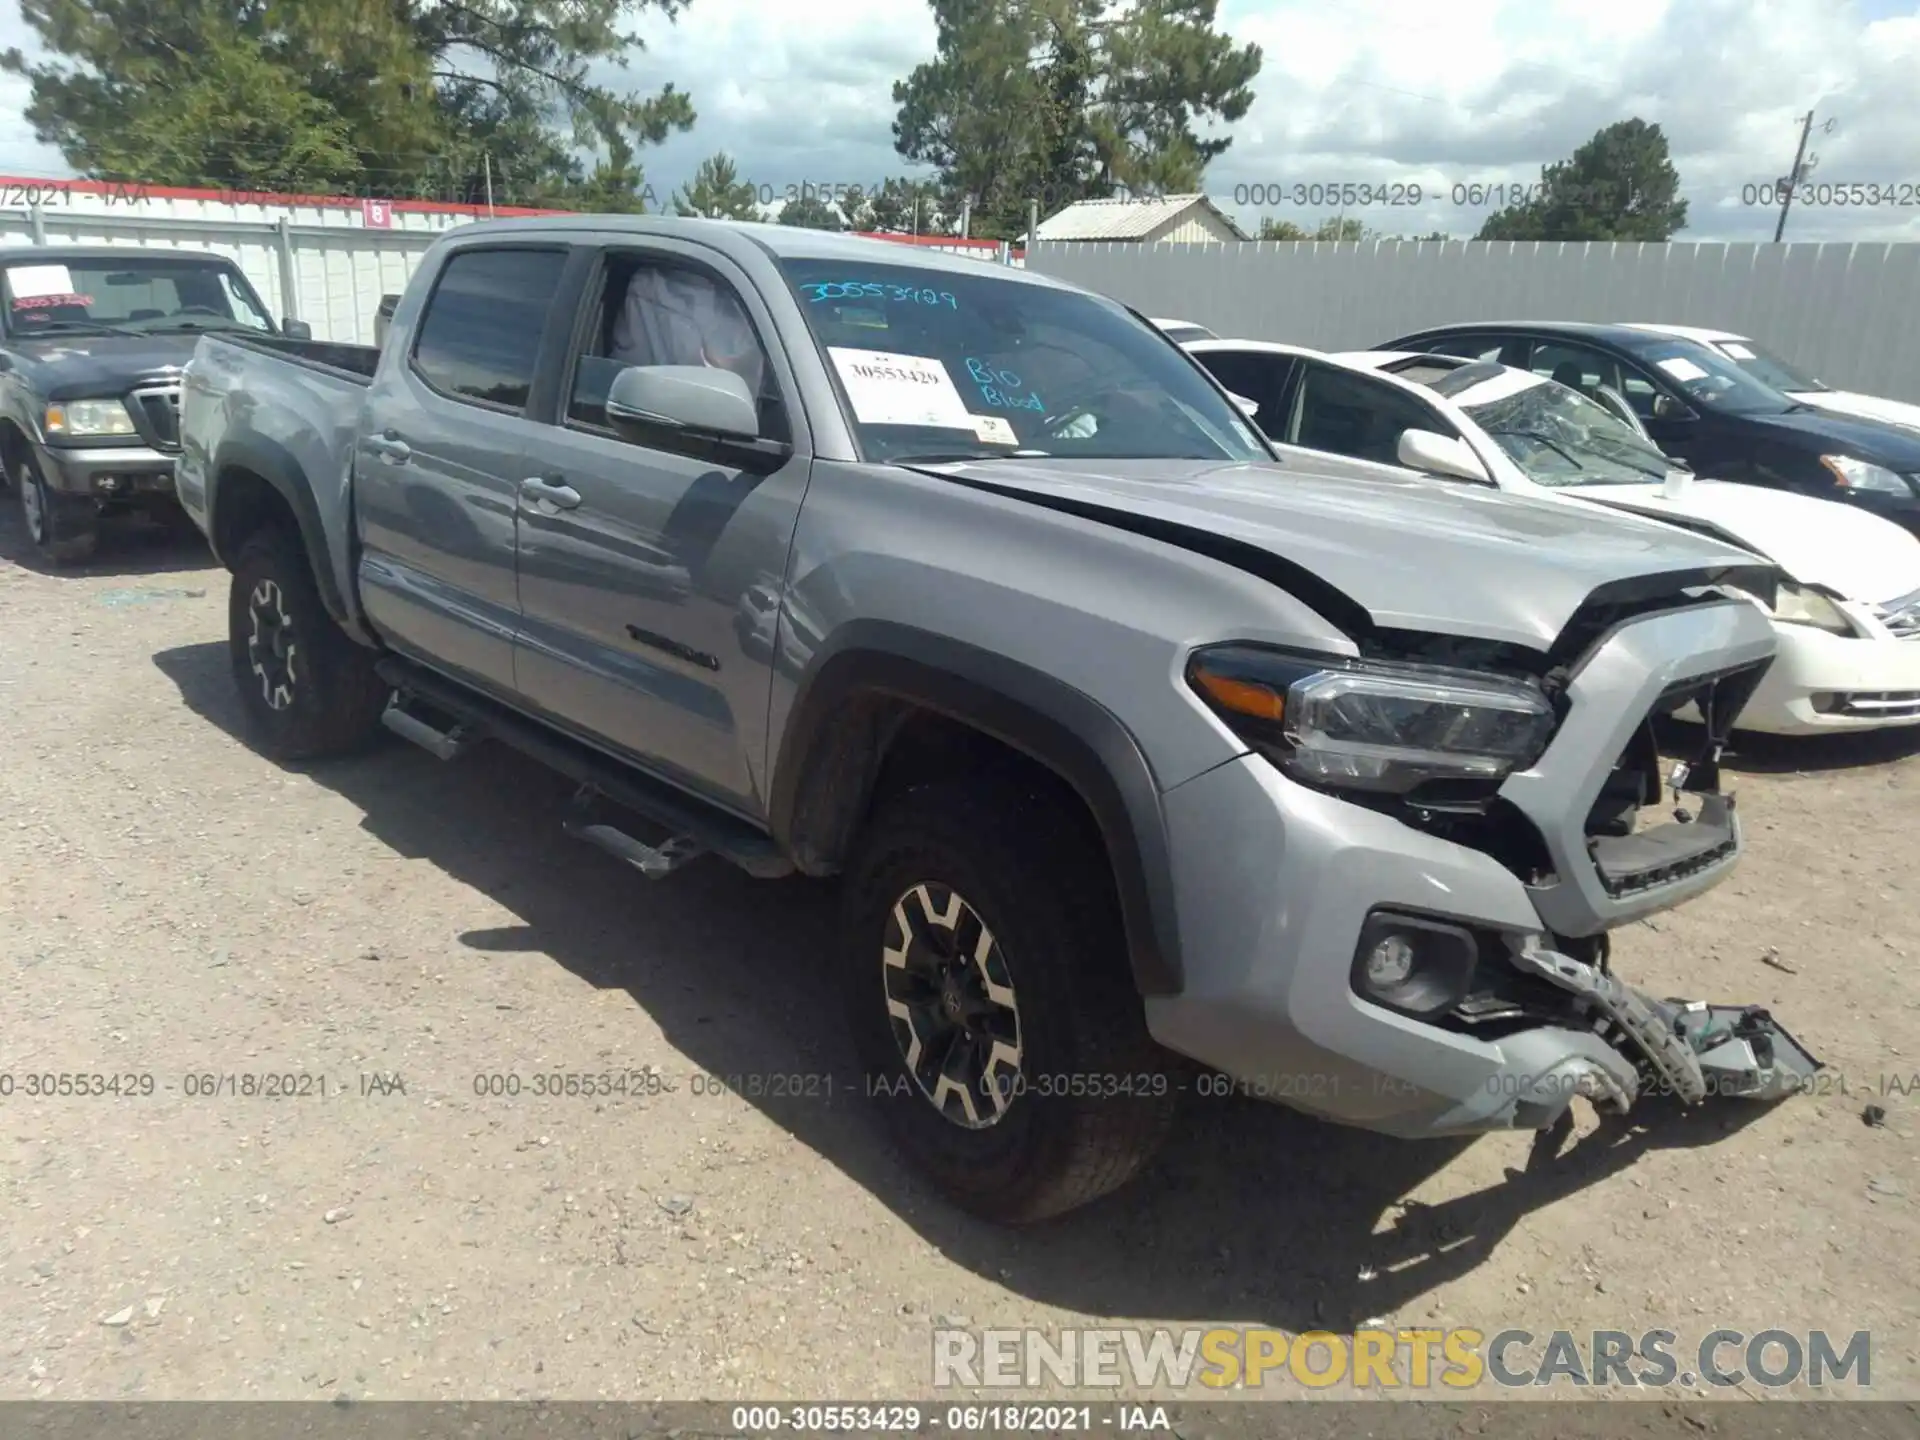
{"x": 1803, "y": 163}
{"x": 486, "y": 161}
{"x": 1033, "y": 222}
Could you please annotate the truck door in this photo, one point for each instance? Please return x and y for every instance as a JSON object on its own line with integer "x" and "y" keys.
{"x": 437, "y": 473}
{"x": 647, "y": 570}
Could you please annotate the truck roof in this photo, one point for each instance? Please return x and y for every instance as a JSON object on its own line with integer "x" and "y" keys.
{"x": 15, "y": 254}
{"x": 783, "y": 242}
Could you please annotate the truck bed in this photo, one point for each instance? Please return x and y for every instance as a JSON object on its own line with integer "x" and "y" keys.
{"x": 351, "y": 362}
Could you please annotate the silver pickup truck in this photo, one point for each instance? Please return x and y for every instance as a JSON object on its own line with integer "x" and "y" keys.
{"x": 1143, "y": 756}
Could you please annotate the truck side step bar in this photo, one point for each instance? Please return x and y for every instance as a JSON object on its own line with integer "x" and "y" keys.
{"x": 691, "y": 827}
{"x": 444, "y": 743}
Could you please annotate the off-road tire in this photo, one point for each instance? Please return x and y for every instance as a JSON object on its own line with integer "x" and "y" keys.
{"x": 52, "y": 530}
{"x": 1035, "y": 878}
{"x": 328, "y": 700}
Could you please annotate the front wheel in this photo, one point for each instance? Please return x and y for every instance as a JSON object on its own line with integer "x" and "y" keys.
{"x": 64, "y": 534}
{"x": 984, "y": 971}
{"x": 308, "y": 689}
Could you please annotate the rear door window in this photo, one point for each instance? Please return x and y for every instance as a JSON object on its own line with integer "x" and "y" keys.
{"x": 479, "y": 338}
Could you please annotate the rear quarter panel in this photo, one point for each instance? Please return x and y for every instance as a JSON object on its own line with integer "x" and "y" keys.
{"x": 246, "y": 410}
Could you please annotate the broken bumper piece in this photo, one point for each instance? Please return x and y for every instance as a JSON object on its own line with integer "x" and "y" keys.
{"x": 1687, "y": 1047}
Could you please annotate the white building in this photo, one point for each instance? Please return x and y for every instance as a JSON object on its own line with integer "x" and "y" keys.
{"x": 1161, "y": 220}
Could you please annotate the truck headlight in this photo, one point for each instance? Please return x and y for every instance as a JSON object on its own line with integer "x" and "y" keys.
{"x": 88, "y": 419}
{"x": 1371, "y": 726}
{"x": 1797, "y": 605}
{"x": 1855, "y": 474}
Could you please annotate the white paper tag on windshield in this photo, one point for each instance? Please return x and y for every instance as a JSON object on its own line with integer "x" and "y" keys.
{"x": 890, "y": 389}
{"x": 1738, "y": 352}
{"x": 994, "y": 430}
{"x": 1681, "y": 368}
{"x": 34, "y": 282}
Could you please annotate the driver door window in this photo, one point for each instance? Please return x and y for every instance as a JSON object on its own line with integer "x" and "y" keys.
{"x": 655, "y": 314}
{"x": 1355, "y": 416}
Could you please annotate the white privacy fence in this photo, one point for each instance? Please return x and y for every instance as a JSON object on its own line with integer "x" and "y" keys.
{"x": 326, "y": 260}
{"x": 1850, "y": 314}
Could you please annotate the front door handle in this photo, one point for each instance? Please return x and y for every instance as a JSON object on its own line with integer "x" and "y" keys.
{"x": 563, "y": 497}
{"x": 390, "y": 447}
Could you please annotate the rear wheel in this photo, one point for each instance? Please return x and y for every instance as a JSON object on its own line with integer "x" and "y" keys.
{"x": 985, "y": 976}
{"x": 308, "y": 689}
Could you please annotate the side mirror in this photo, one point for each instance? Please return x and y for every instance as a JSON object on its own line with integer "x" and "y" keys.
{"x": 1441, "y": 455}
{"x": 1249, "y": 408}
{"x": 1665, "y": 407}
{"x": 296, "y": 329}
{"x": 684, "y": 397}
{"x": 657, "y": 404}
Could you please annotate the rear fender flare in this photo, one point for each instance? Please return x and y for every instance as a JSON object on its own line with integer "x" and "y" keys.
{"x": 826, "y": 768}
{"x": 275, "y": 465}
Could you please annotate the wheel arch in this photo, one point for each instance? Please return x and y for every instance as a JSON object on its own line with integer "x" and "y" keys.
{"x": 257, "y": 482}
{"x": 874, "y": 676}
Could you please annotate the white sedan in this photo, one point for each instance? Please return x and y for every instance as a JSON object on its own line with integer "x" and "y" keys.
{"x": 1796, "y": 384}
{"x": 1848, "y": 618}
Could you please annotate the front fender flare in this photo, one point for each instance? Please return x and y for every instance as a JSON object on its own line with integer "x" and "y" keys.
{"x": 1051, "y": 722}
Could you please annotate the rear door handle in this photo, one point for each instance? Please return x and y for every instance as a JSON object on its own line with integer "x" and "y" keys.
{"x": 390, "y": 447}
{"x": 563, "y": 497}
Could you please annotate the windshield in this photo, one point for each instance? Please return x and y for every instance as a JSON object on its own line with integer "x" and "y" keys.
{"x": 937, "y": 364}
{"x": 1768, "y": 368}
{"x": 139, "y": 293}
{"x": 1559, "y": 437}
{"x": 1711, "y": 380}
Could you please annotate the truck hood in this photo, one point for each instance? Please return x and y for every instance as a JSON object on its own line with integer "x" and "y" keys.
{"x": 1851, "y": 552}
{"x": 1413, "y": 553}
{"x": 1867, "y": 407}
{"x": 73, "y": 367}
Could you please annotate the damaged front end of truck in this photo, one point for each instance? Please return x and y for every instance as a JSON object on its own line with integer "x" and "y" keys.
{"x": 1649, "y": 834}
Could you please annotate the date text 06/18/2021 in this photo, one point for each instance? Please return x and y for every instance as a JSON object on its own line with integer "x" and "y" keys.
{"x": 1459, "y": 194}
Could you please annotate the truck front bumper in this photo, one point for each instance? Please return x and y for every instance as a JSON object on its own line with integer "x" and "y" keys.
{"x": 107, "y": 472}
{"x": 1281, "y": 890}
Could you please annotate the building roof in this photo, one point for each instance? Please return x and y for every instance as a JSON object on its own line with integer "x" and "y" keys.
{"x": 1123, "y": 218}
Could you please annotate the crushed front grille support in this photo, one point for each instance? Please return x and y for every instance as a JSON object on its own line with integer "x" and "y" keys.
{"x": 1690, "y": 1047}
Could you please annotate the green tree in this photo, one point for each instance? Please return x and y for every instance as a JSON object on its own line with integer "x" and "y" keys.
{"x": 1334, "y": 227}
{"x": 420, "y": 96}
{"x": 717, "y": 192}
{"x": 811, "y": 212}
{"x": 901, "y": 206}
{"x": 1065, "y": 100}
{"x": 1620, "y": 185}
{"x": 615, "y": 186}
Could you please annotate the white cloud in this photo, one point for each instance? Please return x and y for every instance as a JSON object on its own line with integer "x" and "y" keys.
{"x": 1363, "y": 90}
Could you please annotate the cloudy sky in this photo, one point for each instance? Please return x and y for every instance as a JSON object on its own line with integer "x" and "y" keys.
{"x": 1369, "y": 91}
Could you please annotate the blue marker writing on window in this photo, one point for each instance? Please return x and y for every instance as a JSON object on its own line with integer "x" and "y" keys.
{"x": 1000, "y": 388}
{"x": 819, "y": 291}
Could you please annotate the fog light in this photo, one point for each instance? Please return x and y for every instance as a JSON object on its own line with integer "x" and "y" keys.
{"x": 1390, "y": 963}
{"x": 109, "y": 483}
{"x": 1413, "y": 964}
{"x": 1825, "y": 702}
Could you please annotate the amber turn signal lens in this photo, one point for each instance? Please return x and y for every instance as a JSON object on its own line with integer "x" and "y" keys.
{"x": 1242, "y": 696}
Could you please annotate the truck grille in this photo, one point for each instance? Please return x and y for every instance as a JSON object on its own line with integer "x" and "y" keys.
{"x": 156, "y": 413}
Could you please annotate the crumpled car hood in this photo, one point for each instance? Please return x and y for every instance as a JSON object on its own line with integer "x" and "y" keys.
{"x": 1818, "y": 542}
{"x": 1413, "y": 553}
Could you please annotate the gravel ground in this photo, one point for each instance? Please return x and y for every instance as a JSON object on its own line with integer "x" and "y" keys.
{"x": 177, "y": 906}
